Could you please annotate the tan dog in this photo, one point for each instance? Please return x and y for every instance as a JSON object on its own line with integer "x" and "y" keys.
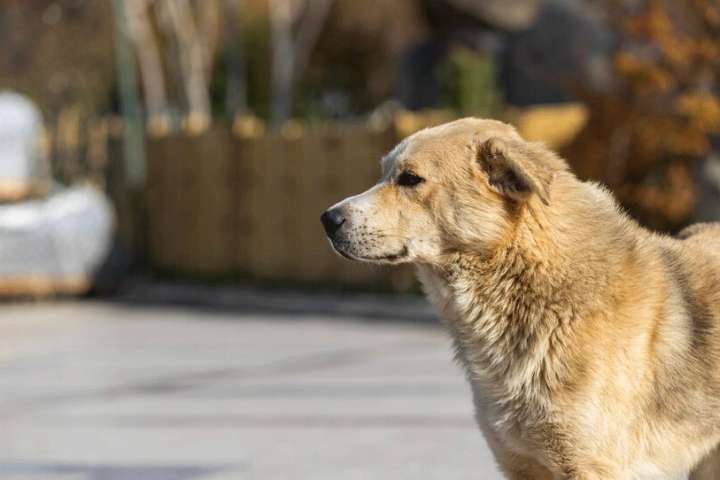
{"x": 592, "y": 345}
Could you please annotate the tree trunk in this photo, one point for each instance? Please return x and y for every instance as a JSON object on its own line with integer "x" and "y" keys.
{"x": 192, "y": 63}
{"x": 208, "y": 15}
{"x": 309, "y": 30}
{"x": 291, "y": 55}
{"x": 151, "y": 71}
{"x": 283, "y": 59}
{"x": 235, "y": 88}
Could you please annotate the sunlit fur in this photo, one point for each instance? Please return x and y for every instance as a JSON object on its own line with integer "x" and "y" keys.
{"x": 592, "y": 345}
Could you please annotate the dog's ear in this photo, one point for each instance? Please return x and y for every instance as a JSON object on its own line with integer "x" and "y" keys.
{"x": 511, "y": 172}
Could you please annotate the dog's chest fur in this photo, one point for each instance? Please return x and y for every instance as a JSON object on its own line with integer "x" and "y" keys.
{"x": 506, "y": 336}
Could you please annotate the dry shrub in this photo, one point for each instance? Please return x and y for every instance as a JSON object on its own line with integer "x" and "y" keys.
{"x": 645, "y": 135}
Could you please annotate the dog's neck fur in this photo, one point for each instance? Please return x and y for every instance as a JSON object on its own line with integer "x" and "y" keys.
{"x": 512, "y": 312}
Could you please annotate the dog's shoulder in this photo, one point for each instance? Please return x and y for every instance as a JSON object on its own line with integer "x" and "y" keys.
{"x": 705, "y": 232}
{"x": 699, "y": 247}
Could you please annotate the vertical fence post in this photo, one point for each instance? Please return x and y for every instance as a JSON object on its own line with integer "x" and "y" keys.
{"x": 133, "y": 135}
{"x": 132, "y": 229}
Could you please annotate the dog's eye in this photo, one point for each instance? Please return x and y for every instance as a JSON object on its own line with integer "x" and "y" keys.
{"x": 409, "y": 179}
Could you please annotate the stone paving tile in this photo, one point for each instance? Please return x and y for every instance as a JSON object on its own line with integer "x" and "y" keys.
{"x": 64, "y": 471}
{"x": 121, "y": 391}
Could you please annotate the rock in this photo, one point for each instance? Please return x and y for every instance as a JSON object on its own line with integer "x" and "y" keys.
{"x": 707, "y": 207}
{"x": 24, "y": 167}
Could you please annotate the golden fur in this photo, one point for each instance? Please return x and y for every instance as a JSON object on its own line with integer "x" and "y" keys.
{"x": 591, "y": 344}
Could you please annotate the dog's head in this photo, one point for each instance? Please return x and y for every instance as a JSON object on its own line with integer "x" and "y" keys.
{"x": 454, "y": 188}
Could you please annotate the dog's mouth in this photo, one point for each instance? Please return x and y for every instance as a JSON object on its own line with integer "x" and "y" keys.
{"x": 386, "y": 258}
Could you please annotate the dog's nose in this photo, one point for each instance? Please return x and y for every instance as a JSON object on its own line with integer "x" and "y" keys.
{"x": 332, "y": 220}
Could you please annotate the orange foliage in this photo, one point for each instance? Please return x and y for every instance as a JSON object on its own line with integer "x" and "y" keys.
{"x": 644, "y": 137}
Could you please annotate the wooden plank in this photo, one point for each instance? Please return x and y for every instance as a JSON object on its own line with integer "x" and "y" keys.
{"x": 248, "y": 220}
{"x": 179, "y": 207}
{"x": 154, "y": 200}
{"x": 163, "y": 194}
{"x": 290, "y": 204}
{"x": 209, "y": 204}
{"x": 268, "y": 245}
{"x": 314, "y": 262}
{"x": 241, "y": 181}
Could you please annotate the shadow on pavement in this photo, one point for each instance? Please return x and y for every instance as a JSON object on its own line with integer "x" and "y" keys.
{"x": 366, "y": 306}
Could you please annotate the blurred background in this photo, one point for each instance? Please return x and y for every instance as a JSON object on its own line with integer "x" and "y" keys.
{"x": 177, "y": 312}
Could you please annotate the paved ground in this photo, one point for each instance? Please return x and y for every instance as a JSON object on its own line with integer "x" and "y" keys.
{"x": 283, "y": 389}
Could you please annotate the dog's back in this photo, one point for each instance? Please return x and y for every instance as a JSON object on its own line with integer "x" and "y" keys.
{"x": 709, "y": 232}
{"x": 700, "y": 247}
{"x": 699, "y": 278}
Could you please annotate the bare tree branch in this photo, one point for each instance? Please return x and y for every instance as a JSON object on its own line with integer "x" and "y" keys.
{"x": 235, "y": 88}
{"x": 313, "y": 19}
{"x": 291, "y": 55}
{"x": 283, "y": 58}
{"x": 208, "y": 26}
{"x": 192, "y": 62}
{"x": 151, "y": 71}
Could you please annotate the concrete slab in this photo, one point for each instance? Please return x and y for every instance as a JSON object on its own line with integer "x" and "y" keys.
{"x": 121, "y": 391}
